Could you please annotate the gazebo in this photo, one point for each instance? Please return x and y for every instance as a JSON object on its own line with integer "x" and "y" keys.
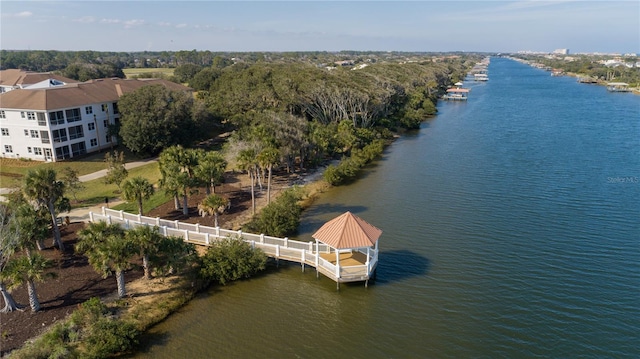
{"x": 349, "y": 250}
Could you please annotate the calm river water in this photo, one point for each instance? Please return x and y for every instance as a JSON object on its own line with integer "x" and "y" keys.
{"x": 511, "y": 230}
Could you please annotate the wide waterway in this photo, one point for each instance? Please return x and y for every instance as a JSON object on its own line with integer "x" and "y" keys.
{"x": 511, "y": 230}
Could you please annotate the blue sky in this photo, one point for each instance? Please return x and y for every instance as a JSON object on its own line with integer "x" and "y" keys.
{"x": 492, "y": 26}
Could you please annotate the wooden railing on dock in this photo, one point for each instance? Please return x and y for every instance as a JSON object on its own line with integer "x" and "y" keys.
{"x": 305, "y": 253}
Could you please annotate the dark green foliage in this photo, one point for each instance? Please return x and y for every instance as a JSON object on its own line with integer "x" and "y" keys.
{"x": 108, "y": 336}
{"x": 349, "y": 167}
{"x": 154, "y": 117}
{"x": 172, "y": 254}
{"x": 90, "y": 332}
{"x": 184, "y": 73}
{"x": 231, "y": 259}
{"x": 279, "y": 218}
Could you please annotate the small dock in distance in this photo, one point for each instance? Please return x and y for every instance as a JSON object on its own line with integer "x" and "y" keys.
{"x": 341, "y": 259}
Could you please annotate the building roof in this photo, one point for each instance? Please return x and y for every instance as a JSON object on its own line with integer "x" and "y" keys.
{"x": 78, "y": 94}
{"x": 348, "y": 231}
{"x": 16, "y": 77}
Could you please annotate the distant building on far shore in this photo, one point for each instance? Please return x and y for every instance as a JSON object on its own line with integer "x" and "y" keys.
{"x": 561, "y": 51}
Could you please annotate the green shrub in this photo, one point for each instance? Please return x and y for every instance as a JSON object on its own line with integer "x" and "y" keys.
{"x": 281, "y": 217}
{"x": 110, "y": 336}
{"x": 349, "y": 167}
{"x": 231, "y": 259}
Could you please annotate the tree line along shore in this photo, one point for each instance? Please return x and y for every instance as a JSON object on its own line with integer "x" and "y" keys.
{"x": 286, "y": 114}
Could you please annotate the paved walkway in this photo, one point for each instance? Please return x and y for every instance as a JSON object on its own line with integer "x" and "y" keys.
{"x": 82, "y": 214}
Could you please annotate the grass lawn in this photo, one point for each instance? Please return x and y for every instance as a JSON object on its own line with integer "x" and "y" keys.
{"x": 96, "y": 191}
{"x": 139, "y": 71}
{"x": 12, "y": 171}
{"x": 158, "y": 198}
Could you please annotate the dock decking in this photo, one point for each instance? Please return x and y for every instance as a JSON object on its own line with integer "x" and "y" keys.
{"x": 350, "y": 266}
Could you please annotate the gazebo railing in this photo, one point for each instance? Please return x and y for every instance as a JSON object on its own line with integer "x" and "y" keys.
{"x": 279, "y": 248}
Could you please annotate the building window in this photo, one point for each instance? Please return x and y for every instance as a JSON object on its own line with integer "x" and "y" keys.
{"x": 37, "y": 151}
{"x": 73, "y": 115}
{"x": 29, "y": 150}
{"x": 106, "y": 123}
{"x": 105, "y": 107}
{"x": 22, "y": 114}
{"x": 94, "y": 142}
{"x": 115, "y": 108}
{"x": 78, "y": 149}
{"x": 34, "y": 134}
{"x": 59, "y": 135}
{"x": 56, "y": 118}
{"x": 31, "y": 116}
{"x": 62, "y": 153}
{"x": 108, "y": 139}
{"x": 91, "y": 126}
{"x": 42, "y": 119}
{"x": 26, "y": 133}
{"x": 44, "y": 135}
{"x": 8, "y": 149}
{"x": 88, "y": 110}
{"x": 3, "y": 114}
{"x": 5, "y": 131}
{"x": 75, "y": 132}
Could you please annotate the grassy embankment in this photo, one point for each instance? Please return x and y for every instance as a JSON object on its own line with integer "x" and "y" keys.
{"x": 147, "y": 72}
{"x": 12, "y": 172}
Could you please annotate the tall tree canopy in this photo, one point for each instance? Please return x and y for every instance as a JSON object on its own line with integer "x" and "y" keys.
{"x": 154, "y": 117}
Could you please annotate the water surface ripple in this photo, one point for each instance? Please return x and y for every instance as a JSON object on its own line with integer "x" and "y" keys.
{"x": 511, "y": 229}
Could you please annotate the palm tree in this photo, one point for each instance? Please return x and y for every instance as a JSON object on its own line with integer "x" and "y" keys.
{"x": 147, "y": 239}
{"x": 268, "y": 158}
{"x": 42, "y": 186}
{"x": 213, "y": 205}
{"x": 31, "y": 226}
{"x": 177, "y": 166}
{"x": 247, "y": 161}
{"x": 108, "y": 250}
{"x": 9, "y": 241}
{"x": 210, "y": 170}
{"x": 137, "y": 189}
{"x": 28, "y": 269}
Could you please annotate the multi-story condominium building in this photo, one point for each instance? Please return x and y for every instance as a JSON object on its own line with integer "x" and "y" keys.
{"x": 62, "y": 121}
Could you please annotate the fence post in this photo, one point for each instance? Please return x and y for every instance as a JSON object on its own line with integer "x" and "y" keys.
{"x": 109, "y": 219}
{"x": 311, "y": 246}
{"x": 104, "y": 211}
{"x": 198, "y": 227}
{"x": 261, "y": 237}
{"x": 158, "y": 221}
{"x": 277, "y": 250}
{"x": 186, "y": 235}
{"x": 126, "y": 224}
{"x": 206, "y": 238}
{"x": 304, "y": 259}
{"x": 121, "y": 214}
{"x": 218, "y": 231}
{"x": 139, "y": 217}
{"x": 240, "y": 233}
{"x": 164, "y": 231}
{"x": 91, "y": 216}
{"x": 286, "y": 242}
{"x": 177, "y": 224}
{"x": 253, "y": 244}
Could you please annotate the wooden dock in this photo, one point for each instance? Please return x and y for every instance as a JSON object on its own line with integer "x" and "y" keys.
{"x": 339, "y": 265}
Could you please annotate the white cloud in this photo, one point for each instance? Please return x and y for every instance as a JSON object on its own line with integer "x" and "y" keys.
{"x": 180, "y": 26}
{"x": 164, "y": 24}
{"x": 24, "y": 14}
{"x": 131, "y": 23}
{"x": 85, "y": 19}
{"x": 109, "y": 21}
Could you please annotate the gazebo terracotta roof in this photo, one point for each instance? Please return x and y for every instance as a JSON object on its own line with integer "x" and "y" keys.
{"x": 348, "y": 231}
